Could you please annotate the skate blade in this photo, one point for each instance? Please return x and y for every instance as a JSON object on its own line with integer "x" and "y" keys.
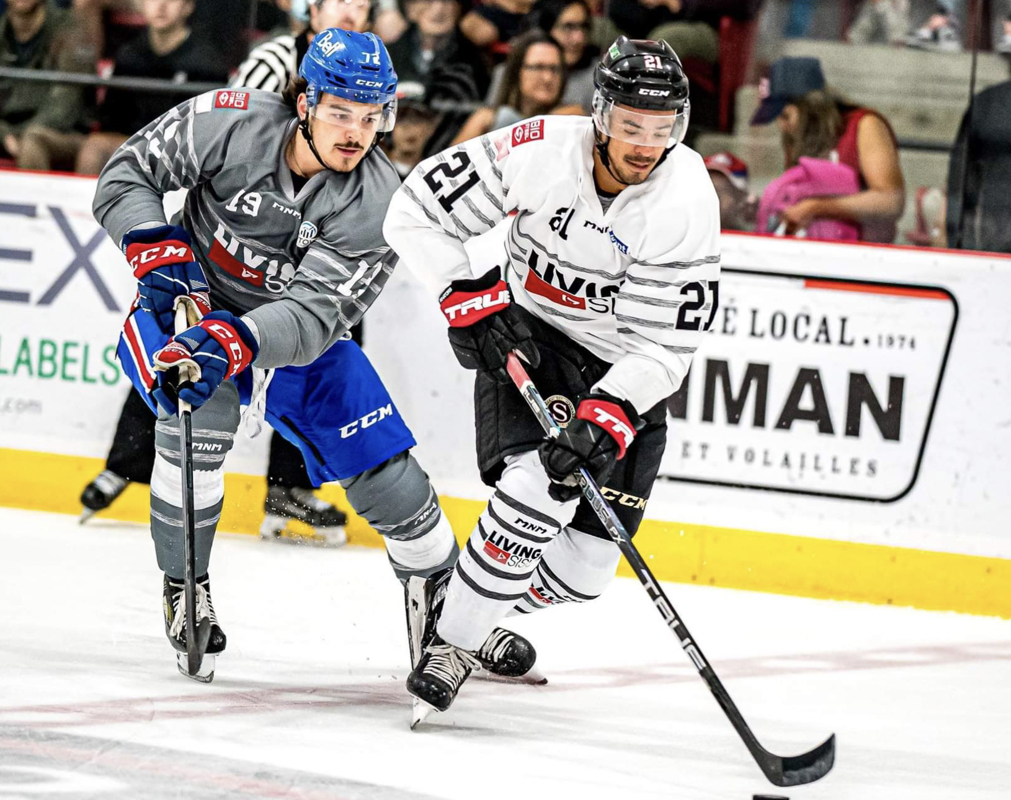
{"x": 203, "y": 675}
{"x": 534, "y": 677}
{"x": 86, "y": 514}
{"x": 291, "y": 531}
{"x": 420, "y": 712}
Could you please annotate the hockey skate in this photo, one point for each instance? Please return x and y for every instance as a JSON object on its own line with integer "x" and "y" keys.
{"x": 315, "y": 521}
{"x": 174, "y": 607}
{"x": 101, "y": 493}
{"x": 504, "y": 653}
{"x": 436, "y": 680}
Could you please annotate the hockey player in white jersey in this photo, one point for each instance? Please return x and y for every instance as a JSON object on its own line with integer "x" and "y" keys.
{"x": 610, "y": 279}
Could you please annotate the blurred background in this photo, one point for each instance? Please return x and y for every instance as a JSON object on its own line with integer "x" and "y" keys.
{"x": 792, "y": 100}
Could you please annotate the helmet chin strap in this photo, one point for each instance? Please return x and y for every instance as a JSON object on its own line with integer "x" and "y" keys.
{"x": 303, "y": 125}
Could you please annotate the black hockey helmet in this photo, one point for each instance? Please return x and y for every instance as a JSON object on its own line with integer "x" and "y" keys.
{"x": 642, "y": 74}
{"x": 637, "y": 75}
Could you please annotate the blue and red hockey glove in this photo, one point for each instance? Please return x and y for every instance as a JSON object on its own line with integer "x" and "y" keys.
{"x": 601, "y": 433}
{"x": 219, "y": 347}
{"x": 484, "y": 326}
{"x": 164, "y": 266}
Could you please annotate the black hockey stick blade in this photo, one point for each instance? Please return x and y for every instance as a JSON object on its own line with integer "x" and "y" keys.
{"x": 798, "y": 770}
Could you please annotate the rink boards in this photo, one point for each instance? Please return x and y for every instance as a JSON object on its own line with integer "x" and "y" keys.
{"x": 844, "y": 431}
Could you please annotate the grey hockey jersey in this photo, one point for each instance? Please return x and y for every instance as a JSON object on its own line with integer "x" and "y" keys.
{"x": 302, "y": 267}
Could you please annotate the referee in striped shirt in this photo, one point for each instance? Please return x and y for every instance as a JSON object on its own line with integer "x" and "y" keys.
{"x": 271, "y": 65}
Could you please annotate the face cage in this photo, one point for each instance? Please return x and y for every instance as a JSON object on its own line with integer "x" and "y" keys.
{"x": 608, "y": 117}
{"x": 327, "y": 115}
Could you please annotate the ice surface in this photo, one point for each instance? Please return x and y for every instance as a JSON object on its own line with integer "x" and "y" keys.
{"x": 309, "y": 702}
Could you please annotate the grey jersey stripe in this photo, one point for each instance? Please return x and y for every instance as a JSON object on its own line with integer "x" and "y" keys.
{"x": 460, "y": 226}
{"x": 477, "y": 212}
{"x": 644, "y": 323}
{"x": 654, "y": 284}
{"x": 490, "y": 152}
{"x": 406, "y": 189}
{"x": 650, "y": 301}
{"x": 698, "y": 262}
{"x": 492, "y": 198}
{"x": 679, "y": 351}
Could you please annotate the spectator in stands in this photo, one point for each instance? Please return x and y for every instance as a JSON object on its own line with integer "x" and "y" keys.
{"x": 569, "y": 22}
{"x": 35, "y": 34}
{"x": 691, "y": 27}
{"x": 496, "y": 22}
{"x": 1004, "y": 40}
{"x": 818, "y": 124}
{"x": 166, "y": 49}
{"x": 272, "y": 64}
{"x": 880, "y": 22}
{"x": 90, "y": 16}
{"x": 433, "y": 42}
{"x": 738, "y": 206}
{"x": 405, "y": 144}
{"x": 533, "y": 84}
{"x": 980, "y": 171}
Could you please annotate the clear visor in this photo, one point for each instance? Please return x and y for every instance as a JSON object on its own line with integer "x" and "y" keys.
{"x": 368, "y": 118}
{"x": 636, "y": 127}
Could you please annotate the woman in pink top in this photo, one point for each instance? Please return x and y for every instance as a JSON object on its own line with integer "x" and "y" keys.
{"x": 818, "y": 124}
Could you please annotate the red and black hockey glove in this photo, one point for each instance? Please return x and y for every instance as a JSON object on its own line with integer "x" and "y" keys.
{"x": 164, "y": 266}
{"x": 219, "y": 347}
{"x": 602, "y": 431}
{"x": 484, "y": 326}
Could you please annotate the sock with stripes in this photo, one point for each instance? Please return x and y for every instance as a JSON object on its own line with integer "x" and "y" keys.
{"x": 575, "y": 568}
{"x": 496, "y": 566}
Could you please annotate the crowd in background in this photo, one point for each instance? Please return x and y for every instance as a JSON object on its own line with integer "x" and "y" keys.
{"x": 467, "y": 67}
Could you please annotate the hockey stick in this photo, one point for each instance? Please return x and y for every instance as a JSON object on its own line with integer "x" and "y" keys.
{"x": 196, "y": 642}
{"x": 780, "y": 770}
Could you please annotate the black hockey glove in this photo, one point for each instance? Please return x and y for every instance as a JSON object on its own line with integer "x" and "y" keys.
{"x": 484, "y": 327}
{"x": 603, "y": 429}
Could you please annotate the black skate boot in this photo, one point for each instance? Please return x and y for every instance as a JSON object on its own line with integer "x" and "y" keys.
{"x": 284, "y": 505}
{"x": 436, "y": 680}
{"x": 504, "y": 653}
{"x": 174, "y": 607}
{"x": 101, "y": 493}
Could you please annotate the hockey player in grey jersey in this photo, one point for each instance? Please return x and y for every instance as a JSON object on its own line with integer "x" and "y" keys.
{"x": 610, "y": 278}
{"x": 281, "y": 236}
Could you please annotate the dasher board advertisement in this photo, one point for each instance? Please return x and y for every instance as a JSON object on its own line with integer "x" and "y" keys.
{"x": 813, "y": 385}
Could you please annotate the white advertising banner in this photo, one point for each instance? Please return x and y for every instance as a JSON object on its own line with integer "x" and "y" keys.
{"x": 814, "y": 385}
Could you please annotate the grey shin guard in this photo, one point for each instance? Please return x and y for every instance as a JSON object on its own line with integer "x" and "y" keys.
{"x": 214, "y": 426}
{"x": 397, "y": 499}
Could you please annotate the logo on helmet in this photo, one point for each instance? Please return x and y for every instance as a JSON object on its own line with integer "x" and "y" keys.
{"x": 306, "y": 234}
{"x": 326, "y": 43}
{"x": 655, "y": 92}
{"x": 371, "y": 84}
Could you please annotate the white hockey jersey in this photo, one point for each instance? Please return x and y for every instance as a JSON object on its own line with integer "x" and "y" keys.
{"x": 637, "y": 286}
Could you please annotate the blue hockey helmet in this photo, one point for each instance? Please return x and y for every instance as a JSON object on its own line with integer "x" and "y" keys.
{"x": 351, "y": 65}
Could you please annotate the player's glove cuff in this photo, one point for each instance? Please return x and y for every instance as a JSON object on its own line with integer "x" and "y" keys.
{"x": 617, "y": 417}
{"x": 468, "y": 301}
{"x": 484, "y": 326}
